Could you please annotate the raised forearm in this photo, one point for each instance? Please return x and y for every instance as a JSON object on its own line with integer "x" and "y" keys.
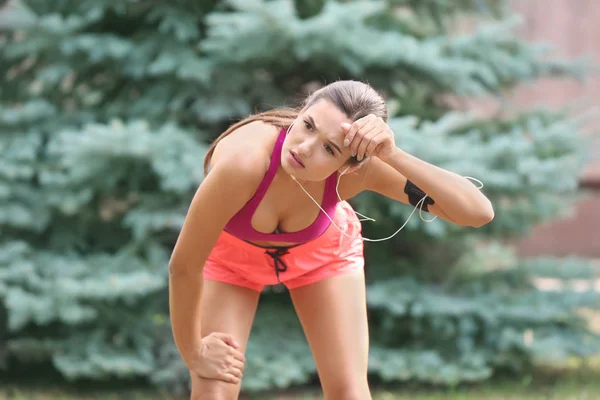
{"x": 458, "y": 197}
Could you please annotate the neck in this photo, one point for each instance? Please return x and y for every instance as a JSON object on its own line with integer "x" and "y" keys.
{"x": 303, "y": 182}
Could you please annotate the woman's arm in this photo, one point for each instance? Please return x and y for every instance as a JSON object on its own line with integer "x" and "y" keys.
{"x": 225, "y": 190}
{"x": 456, "y": 199}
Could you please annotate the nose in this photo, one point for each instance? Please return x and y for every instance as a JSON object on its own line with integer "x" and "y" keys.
{"x": 304, "y": 149}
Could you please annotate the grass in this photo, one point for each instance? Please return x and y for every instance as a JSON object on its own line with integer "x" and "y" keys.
{"x": 580, "y": 383}
{"x": 575, "y": 384}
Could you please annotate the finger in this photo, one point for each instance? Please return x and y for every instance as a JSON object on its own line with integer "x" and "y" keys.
{"x": 358, "y": 136}
{"x": 346, "y": 127}
{"x": 367, "y": 136}
{"x": 238, "y": 365}
{"x": 238, "y": 355}
{"x": 227, "y": 377}
{"x": 235, "y": 372}
{"x": 228, "y": 339}
{"x": 374, "y": 143}
{"x": 358, "y": 124}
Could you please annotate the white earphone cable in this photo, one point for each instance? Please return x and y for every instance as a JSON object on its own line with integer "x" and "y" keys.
{"x": 365, "y": 218}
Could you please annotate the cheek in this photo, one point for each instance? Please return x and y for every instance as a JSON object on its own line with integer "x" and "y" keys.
{"x": 293, "y": 137}
{"x": 289, "y": 141}
{"x": 326, "y": 163}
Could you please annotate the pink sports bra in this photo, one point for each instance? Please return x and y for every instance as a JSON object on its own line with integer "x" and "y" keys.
{"x": 240, "y": 225}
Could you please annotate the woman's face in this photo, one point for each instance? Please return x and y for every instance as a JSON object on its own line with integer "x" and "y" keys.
{"x": 314, "y": 147}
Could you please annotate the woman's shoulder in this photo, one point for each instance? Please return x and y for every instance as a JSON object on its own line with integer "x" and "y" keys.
{"x": 247, "y": 149}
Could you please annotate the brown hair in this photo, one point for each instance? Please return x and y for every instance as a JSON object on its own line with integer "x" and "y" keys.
{"x": 354, "y": 98}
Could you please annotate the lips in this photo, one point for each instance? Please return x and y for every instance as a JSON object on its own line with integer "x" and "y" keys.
{"x": 296, "y": 159}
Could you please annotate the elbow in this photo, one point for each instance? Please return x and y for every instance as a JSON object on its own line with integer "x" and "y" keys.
{"x": 174, "y": 270}
{"x": 178, "y": 269}
{"x": 483, "y": 217}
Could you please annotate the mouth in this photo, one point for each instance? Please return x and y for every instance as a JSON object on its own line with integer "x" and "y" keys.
{"x": 296, "y": 160}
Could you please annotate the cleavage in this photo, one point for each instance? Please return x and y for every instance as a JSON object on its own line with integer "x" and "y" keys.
{"x": 283, "y": 207}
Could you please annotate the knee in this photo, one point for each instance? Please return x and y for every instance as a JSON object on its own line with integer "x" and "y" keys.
{"x": 212, "y": 389}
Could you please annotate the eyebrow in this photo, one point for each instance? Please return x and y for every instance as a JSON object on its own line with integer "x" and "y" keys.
{"x": 312, "y": 121}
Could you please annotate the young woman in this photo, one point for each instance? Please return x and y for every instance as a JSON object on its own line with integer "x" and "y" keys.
{"x": 262, "y": 216}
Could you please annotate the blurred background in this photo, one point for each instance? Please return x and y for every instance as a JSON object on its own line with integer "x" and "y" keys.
{"x": 106, "y": 110}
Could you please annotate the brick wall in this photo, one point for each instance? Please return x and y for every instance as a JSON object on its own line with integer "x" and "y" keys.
{"x": 571, "y": 27}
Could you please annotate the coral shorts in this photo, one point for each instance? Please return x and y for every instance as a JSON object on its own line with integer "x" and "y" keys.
{"x": 244, "y": 264}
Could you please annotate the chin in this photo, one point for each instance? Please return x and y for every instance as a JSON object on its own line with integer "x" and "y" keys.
{"x": 289, "y": 170}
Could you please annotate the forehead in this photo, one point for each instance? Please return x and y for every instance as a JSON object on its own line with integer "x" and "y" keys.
{"x": 327, "y": 115}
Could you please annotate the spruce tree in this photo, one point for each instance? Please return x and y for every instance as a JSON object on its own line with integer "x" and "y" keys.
{"x": 106, "y": 110}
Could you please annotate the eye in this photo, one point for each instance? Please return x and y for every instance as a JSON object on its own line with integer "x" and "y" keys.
{"x": 329, "y": 150}
{"x": 308, "y": 125}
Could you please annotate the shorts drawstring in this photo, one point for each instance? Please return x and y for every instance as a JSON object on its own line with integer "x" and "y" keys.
{"x": 279, "y": 264}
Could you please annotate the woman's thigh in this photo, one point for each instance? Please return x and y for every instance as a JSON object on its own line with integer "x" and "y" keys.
{"x": 333, "y": 314}
{"x": 230, "y": 309}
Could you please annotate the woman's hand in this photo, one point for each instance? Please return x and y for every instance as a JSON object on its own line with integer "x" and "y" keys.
{"x": 219, "y": 358}
{"x": 370, "y": 136}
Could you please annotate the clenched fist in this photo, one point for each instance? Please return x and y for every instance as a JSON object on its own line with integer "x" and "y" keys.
{"x": 219, "y": 358}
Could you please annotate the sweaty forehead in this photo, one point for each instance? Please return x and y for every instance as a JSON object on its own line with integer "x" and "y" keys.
{"x": 328, "y": 118}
